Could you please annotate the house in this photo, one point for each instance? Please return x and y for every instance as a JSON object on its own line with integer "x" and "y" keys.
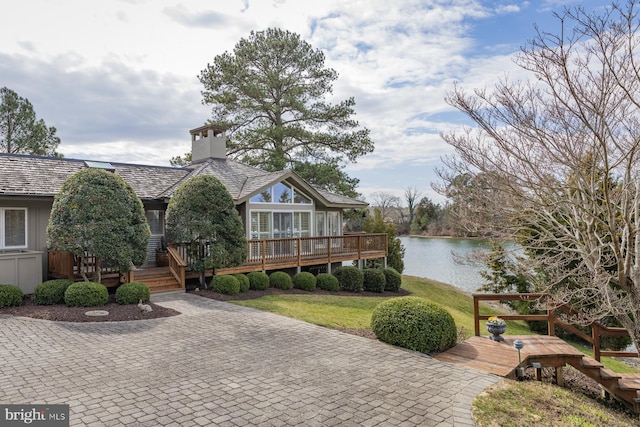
{"x": 288, "y": 223}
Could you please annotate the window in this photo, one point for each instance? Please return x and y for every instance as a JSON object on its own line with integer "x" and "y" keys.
{"x": 260, "y": 225}
{"x": 333, "y": 224}
{"x": 281, "y": 193}
{"x": 301, "y": 224}
{"x": 321, "y": 220}
{"x": 13, "y": 228}
{"x": 262, "y": 197}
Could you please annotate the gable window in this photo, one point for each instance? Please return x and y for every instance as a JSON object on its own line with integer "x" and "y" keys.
{"x": 281, "y": 193}
{"x": 13, "y": 228}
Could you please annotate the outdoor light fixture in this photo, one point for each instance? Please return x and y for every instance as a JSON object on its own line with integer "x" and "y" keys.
{"x": 519, "y": 345}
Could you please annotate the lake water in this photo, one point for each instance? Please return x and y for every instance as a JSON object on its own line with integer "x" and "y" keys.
{"x": 433, "y": 258}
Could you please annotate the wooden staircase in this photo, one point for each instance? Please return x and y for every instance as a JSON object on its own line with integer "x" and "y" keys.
{"x": 623, "y": 387}
{"x": 158, "y": 279}
{"x": 501, "y": 358}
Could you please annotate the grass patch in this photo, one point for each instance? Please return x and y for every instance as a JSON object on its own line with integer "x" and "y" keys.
{"x": 335, "y": 311}
{"x": 331, "y": 311}
{"x": 511, "y": 403}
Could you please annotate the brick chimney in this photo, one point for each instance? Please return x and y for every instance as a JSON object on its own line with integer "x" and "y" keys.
{"x": 208, "y": 141}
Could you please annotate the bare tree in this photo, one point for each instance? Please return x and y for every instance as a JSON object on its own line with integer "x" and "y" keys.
{"x": 386, "y": 203}
{"x": 411, "y": 196}
{"x": 560, "y": 157}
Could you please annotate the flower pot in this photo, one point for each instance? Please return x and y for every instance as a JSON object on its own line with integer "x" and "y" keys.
{"x": 162, "y": 259}
{"x": 496, "y": 331}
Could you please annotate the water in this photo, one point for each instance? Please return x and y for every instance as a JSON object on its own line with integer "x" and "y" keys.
{"x": 433, "y": 258}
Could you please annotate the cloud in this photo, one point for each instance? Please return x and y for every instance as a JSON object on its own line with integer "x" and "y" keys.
{"x": 208, "y": 19}
{"x": 93, "y": 108}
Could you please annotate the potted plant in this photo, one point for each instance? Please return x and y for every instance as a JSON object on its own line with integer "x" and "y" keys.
{"x": 162, "y": 255}
{"x": 496, "y": 327}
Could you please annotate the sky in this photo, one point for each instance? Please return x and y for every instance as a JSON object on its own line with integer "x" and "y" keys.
{"x": 118, "y": 78}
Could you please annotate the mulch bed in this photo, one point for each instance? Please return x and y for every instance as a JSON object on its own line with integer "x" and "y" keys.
{"x": 62, "y": 313}
{"x": 118, "y": 312}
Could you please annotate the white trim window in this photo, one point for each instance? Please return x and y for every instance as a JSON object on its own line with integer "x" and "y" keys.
{"x": 281, "y": 193}
{"x": 13, "y": 228}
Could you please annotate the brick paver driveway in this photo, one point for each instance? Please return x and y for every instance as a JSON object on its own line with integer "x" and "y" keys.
{"x": 219, "y": 364}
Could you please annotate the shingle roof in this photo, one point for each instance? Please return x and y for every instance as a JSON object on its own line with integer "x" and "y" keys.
{"x": 24, "y": 175}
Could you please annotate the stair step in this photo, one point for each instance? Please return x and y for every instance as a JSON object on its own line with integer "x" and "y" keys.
{"x": 588, "y": 362}
{"x": 626, "y": 384}
{"x": 165, "y": 288}
{"x": 608, "y": 374}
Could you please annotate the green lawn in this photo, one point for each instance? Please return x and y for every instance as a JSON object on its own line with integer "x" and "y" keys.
{"x": 355, "y": 311}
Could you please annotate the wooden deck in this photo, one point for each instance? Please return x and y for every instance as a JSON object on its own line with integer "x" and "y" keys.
{"x": 263, "y": 255}
{"x": 501, "y": 358}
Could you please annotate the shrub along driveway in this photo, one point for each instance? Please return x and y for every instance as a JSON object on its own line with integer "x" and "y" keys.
{"x": 220, "y": 364}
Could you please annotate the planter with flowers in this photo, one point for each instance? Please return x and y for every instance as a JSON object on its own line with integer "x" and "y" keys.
{"x": 496, "y": 327}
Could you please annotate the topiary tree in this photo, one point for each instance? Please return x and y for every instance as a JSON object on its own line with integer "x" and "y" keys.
{"x": 394, "y": 279}
{"x": 305, "y": 281}
{"x": 10, "y": 296}
{"x": 350, "y": 278}
{"x": 86, "y": 294}
{"x": 97, "y": 212}
{"x": 327, "y": 282}
{"x": 225, "y": 284}
{"x": 280, "y": 280}
{"x": 258, "y": 280}
{"x": 244, "y": 282}
{"x": 374, "y": 280}
{"x": 414, "y": 323}
{"x": 51, "y": 292}
{"x": 132, "y": 293}
{"x": 202, "y": 216}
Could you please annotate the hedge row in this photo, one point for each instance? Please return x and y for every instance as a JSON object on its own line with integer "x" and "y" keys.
{"x": 345, "y": 278}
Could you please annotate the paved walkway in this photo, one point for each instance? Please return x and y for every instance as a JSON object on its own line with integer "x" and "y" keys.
{"x": 222, "y": 365}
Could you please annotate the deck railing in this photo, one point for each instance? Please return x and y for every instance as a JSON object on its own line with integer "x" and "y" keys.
{"x": 69, "y": 266}
{"x": 265, "y": 254}
{"x": 298, "y": 251}
{"x": 598, "y": 330}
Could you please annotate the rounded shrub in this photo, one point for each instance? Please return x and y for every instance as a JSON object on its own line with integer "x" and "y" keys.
{"x": 327, "y": 282}
{"x": 305, "y": 281}
{"x": 10, "y": 296}
{"x": 243, "y": 280}
{"x": 374, "y": 280}
{"x": 225, "y": 284}
{"x": 394, "y": 279}
{"x": 132, "y": 293}
{"x": 414, "y": 323}
{"x": 86, "y": 294}
{"x": 349, "y": 278}
{"x": 51, "y": 292}
{"x": 280, "y": 280}
{"x": 258, "y": 280}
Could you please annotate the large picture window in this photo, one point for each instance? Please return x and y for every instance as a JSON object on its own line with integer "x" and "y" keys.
{"x": 281, "y": 193}
{"x": 13, "y": 228}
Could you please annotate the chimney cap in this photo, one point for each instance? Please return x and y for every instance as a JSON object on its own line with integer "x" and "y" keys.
{"x": 217, "y": 129}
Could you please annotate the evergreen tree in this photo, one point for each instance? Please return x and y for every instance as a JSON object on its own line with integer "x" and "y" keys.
{"x": 97, "y": 212}
{"x": 270, "y": 91}
{"x": 20, "y": 131}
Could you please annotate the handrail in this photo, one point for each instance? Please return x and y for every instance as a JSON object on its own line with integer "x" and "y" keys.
{"x": 597, "y": 329}
{"x": 177, "y": 265}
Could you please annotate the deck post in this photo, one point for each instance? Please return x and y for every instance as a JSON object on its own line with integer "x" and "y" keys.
{"x": 476, "y": 313}
{"x": 595, "y": 334}
{"x": 560, "y": 376}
